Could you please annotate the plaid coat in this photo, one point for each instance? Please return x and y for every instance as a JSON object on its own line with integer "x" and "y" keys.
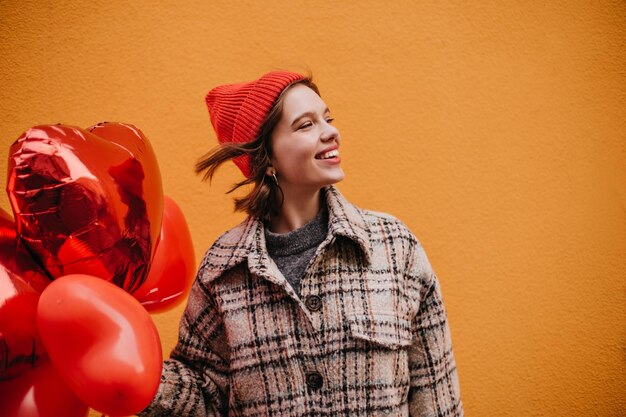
{"x": 368, "y": 337}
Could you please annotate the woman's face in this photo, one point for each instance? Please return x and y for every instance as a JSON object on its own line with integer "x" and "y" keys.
{"x": 301, "y": 141}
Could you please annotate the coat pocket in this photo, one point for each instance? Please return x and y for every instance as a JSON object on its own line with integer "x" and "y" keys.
{"x": 384, "y": 329}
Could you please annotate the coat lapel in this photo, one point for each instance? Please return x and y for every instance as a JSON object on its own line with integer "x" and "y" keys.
{"x": 345, "y": 219}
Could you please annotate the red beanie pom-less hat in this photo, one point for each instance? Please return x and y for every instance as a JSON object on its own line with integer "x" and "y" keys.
{"x": 238, "y": 110}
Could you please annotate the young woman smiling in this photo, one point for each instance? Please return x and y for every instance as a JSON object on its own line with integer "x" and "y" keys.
{"x": 311, "y": 306}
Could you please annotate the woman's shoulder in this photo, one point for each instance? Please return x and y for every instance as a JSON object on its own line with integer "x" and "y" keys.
{"x": 234, "y": 235}
{"x": 386, "y": 223}
{"x": 390, "y": 235}
{"x": 229, "y": 249}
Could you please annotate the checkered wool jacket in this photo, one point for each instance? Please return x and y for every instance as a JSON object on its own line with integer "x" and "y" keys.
{"x": 368, "y": 337}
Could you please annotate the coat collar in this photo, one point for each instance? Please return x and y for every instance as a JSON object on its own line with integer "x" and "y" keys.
{"x": 246, "y": 241}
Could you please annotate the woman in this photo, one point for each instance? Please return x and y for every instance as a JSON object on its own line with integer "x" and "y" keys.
{"x": 311, "y": 306}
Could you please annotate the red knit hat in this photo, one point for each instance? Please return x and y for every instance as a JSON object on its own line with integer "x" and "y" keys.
{"x": 238, "y": 110}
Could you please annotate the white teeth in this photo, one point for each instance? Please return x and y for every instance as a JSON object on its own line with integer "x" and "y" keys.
{"x": 329, "y": 154}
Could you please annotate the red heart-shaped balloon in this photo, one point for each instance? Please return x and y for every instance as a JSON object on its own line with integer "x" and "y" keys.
{"x": 102, "y": 342}
{"x": 134, "y": 141}
{"x": 40, "y": 392}
{"x": 85, "y": 203}
{"x": 173, "y": 267}
{"x": 21, "y": 282}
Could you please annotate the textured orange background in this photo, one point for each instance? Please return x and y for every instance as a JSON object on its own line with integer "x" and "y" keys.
{"x": 495, "y": 131}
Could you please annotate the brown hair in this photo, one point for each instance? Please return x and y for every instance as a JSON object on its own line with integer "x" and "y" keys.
{"x": 261, "y": 201}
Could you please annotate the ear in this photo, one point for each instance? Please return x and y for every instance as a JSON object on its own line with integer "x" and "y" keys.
{"x": 270, "y": 170}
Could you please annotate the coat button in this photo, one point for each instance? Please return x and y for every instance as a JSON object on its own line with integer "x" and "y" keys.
{"x": 314, "y": 379}
{"x": 313, "y": 302}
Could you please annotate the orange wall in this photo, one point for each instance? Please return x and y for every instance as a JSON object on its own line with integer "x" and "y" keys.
{"x": 495, "y": 131}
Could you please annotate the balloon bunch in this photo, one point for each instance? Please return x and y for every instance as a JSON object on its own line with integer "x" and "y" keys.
{"x": 95, "y": 247}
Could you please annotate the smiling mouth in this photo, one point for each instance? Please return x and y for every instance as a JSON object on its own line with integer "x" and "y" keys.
{"x": 329, "y": 155}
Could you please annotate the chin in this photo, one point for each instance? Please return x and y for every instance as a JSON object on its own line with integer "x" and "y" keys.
{"x": 335, "y": 180}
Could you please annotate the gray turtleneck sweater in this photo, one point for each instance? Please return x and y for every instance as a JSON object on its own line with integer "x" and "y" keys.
{"x": 292, "y": 251}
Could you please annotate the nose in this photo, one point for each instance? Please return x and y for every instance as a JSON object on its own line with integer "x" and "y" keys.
{"x": 330, "y": 132}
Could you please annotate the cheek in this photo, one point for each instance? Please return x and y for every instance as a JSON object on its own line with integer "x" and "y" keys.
{"x": 290, "y": 156}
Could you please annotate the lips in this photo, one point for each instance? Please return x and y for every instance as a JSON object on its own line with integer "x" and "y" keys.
{"x": 332, "y": 148}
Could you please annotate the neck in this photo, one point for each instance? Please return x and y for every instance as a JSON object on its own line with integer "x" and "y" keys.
{"x": 299, "y": 207}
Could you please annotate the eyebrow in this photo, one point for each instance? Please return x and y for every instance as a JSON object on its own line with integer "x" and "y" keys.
{"x": 309, "y": 113}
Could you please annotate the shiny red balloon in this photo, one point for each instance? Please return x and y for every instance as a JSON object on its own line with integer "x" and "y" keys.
{"x": 134, "y": 141}
{"x": 85, "y": 203}
{"x": 39, "y": 392}
{"x": 102, "y": 342}
{"x": 14, "y": 256}
{"x": 173, "y": 268}
{"x": 21, "y": 282}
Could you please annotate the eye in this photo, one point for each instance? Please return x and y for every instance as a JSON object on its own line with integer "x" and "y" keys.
{"x": 305, "y": 125}
{"x": 330, "y": 120}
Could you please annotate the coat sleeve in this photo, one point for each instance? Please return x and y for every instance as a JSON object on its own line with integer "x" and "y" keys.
{"x": 194, "y": 381}
{"x": 434, "y": 384}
